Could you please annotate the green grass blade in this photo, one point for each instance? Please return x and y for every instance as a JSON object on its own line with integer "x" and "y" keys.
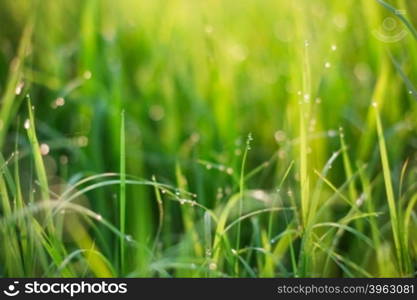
{"x": 122, "y": 193}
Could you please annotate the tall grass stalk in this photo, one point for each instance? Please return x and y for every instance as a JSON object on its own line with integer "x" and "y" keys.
{"x": 122, "y": 193}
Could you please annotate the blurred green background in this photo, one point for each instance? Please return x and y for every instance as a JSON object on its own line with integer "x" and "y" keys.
{"x": 194, "y": 78}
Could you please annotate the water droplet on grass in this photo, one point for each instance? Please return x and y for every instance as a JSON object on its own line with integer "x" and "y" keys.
{"x": 58, "y": 102}
{"x": 27, "y": 124}
{"x": 19, "y": 88}
{"x": 212, "y": 266}
{"x": 331, "y": 133}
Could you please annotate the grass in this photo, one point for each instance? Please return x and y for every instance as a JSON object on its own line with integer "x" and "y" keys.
{"x": 122, "y": 191}
{"x": 125, "y": 145}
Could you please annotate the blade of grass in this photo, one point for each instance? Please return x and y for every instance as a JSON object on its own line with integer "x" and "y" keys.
{"x": 122, "y": 193}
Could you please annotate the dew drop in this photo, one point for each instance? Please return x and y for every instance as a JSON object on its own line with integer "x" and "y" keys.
{"x": 87, "y": 75}
{"x": 44, "y": 149}
{"x": 59, "y": 102}
{"x": 27, "y": 124}
{"x": 19, "y": 88}
{"x": 331, "y": 133}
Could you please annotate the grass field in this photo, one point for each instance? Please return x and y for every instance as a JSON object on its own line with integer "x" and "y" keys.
{"x": 212, "y": 138}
